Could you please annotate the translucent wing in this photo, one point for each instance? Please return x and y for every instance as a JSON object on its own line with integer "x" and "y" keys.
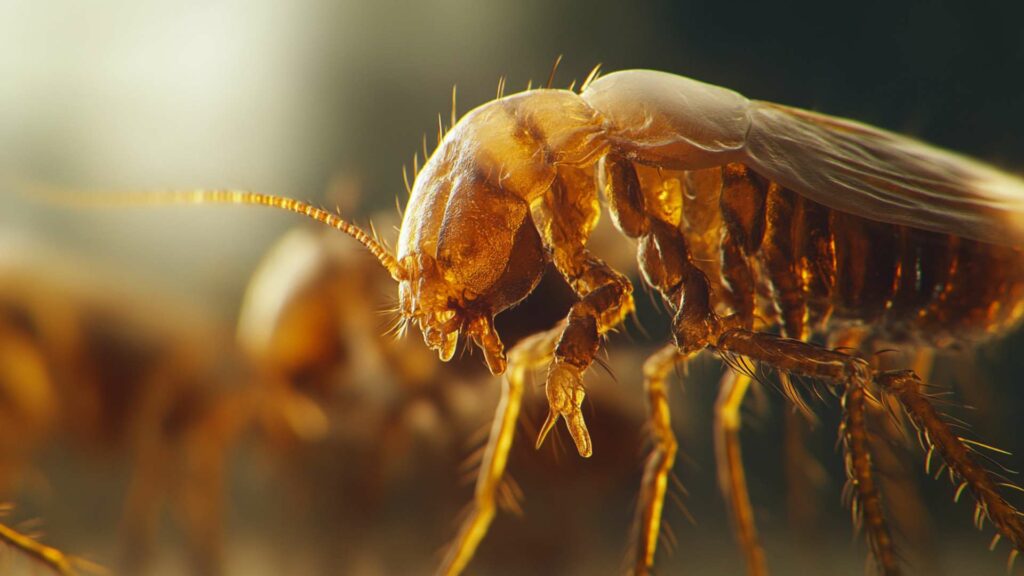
{"x": 883, "y": 176}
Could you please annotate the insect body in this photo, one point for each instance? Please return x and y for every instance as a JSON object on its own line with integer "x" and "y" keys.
{"x": 748, "y": 216}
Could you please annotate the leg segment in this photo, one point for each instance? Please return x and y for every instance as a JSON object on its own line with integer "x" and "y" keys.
{"x": 606, "y": 299}
{"x": 564, "y": 217}
{"x": 849, "y": 373}
{"x": 529, "y": 354}
{"x": 893, "y": 457}
{"x": 661, "y": 459}
{"x": 866, "y": 502}
{"x": 958, "y": 454}
{"x": 730, "y": 468}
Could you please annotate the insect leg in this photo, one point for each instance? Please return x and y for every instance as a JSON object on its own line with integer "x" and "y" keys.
{"x": 866, "y": 504}
{"x": 851, "y": 375}
{"x": 957, "y": 452}
{"x": 730, "y": 468}
{"x": 606, "y": 297}
{"x": 959, "y": 455}
{"x": 894, "y": 458}
{"x": 661, "y": 459}
{"x": 527, "y": 355}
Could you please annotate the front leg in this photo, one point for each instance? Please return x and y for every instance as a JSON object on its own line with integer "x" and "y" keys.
{"x": 606, "y": 297}
{"x": 565, "y": 216}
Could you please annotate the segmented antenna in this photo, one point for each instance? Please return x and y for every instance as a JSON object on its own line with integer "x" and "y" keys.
{"x": 227, "y": 196}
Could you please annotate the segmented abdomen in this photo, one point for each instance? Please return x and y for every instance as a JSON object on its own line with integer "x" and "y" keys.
{"x": 780, "y": 259}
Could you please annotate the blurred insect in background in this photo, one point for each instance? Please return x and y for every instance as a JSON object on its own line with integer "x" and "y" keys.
{"x": 109, "y": 375}
{"x": 347, "y": 407}
{"x": 771, "y": 233}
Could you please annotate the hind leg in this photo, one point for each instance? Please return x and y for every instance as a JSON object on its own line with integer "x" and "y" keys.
{"x": 853, "y": 377}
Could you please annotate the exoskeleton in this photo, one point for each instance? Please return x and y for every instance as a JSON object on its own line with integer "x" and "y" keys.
{"x": 765, "y": 229}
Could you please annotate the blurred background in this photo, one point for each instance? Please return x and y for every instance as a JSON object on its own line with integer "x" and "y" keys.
{"x": 327, "y": 101}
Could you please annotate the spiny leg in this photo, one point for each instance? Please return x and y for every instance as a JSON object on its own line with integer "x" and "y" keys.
{"x": 866, "y": 504}
{"x": 731, "y": 477}
{"x": 661, "y": 459}
{"x": 529, "y": 354}
{"x": 851, "y": 375}
{"x": 958, "y": 454}
{"x": 893, "y": 458}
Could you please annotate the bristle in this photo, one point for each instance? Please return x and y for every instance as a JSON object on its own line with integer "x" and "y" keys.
{"x": 959, "y": 491}
{"x": 958, "y": 455}
{"x": 554, "y": 69}
{"x": 790, "y": 391}
{"x": 405, "y": 180}
{"x": 591, "y": 77}
{"x": 455, "y": 116}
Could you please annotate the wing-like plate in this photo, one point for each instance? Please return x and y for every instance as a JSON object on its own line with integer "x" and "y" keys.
{"x": 883, "y": 176}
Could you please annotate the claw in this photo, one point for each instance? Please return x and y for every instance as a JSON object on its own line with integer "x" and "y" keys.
{"x": 549, "y": 423}
{"x": 565, "y": 396}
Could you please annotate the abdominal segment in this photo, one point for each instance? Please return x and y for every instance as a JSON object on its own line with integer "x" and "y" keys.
{"x": 781, "y": 260}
